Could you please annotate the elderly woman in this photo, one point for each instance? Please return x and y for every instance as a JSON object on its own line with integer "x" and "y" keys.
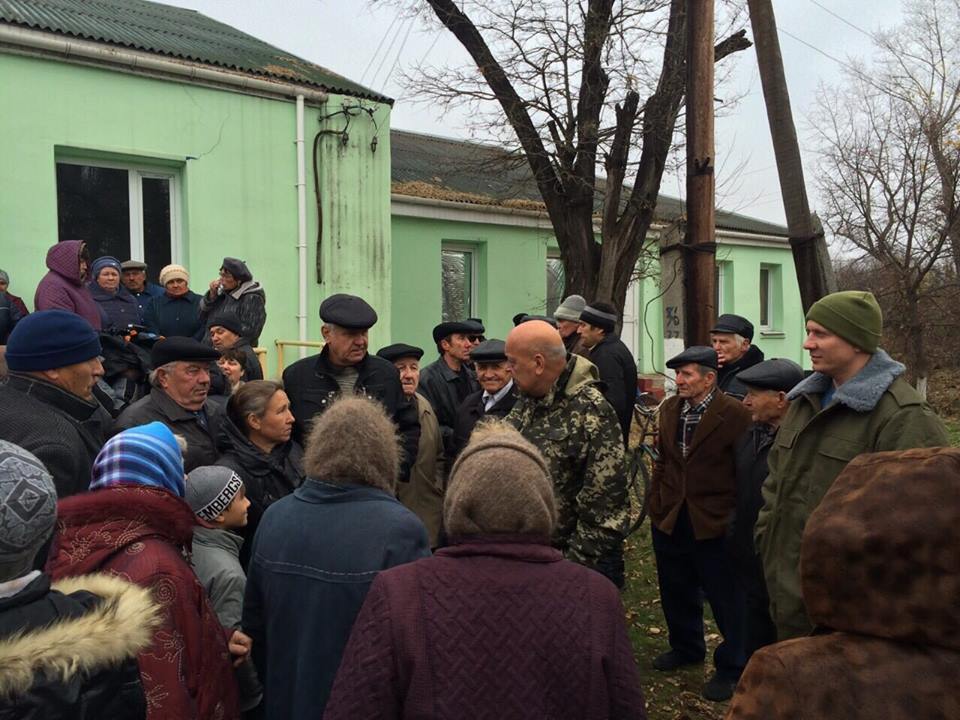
{"x": 176, "y": 313}
{"x": 64, "y": 288}
{"x": 318, "y": 550}
{"x": 120, "y": 308}
{"x": 235, "y": 291}
{"x": 254, "y": 442}
{"x": 498, "y": 624}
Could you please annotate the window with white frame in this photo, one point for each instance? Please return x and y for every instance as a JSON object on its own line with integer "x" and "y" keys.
{"x": 128, "y": 211}
{"x": 723, "y": 286}
{"x": 556, "y": 280}
{"x": 766, "y": 297}
{"x": 458, "y": 267}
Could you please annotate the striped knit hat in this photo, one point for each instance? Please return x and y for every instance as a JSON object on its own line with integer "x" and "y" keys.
{"x": 145, "y": 455}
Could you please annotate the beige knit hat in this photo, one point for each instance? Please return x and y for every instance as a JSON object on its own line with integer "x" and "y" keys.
{"x": 500, "y": 484}
{"x": 173, "y": 272}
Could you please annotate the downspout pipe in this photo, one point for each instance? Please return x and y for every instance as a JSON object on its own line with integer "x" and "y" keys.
{"x": 301, "y": 227}
{"x": 25, "y": 41}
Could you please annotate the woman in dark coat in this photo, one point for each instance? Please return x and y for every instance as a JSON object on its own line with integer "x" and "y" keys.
{"x": 254, "y": 442}
{"x": 64, "y": 288}
{"x": 498, "y": 624}
{"x": 236, "y": 292}
{"x": 176, "y": 313}
{"x": 119, "y": 306}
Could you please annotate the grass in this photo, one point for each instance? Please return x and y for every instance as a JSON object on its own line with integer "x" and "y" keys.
{"x": 953, "y": 429}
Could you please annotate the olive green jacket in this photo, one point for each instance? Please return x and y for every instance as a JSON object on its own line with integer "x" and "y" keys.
{"x": 423, "y": 494}
{"x": 876, "y": 410}
{"x": 578, "y": 433}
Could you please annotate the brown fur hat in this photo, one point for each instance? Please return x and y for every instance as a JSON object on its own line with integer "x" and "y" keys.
{"x": 879, "y": 555}
{"x": 354, "y": 442}
{"x": 500, "y": 484}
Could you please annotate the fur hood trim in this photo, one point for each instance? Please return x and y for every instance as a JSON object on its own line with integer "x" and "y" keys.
{"x": 249, "y": 286}
{"x": 863, "y": 391}
{"x": 115, "y": 629}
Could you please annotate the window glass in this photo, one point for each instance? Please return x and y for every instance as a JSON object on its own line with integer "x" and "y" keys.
{"x": 457, "y": 269}
{"x": 764, "y": 297}
{"x": 156, "y": 224}
{"x": 93, "y": 205}
{"x": 555, "y": 284}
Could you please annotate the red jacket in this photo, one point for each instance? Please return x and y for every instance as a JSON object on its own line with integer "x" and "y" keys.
{"x": 142, "y": 534}
{"x": 489, "y": 629}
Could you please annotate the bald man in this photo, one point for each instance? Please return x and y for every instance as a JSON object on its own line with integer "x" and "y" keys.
{"x": 562, "y": 412}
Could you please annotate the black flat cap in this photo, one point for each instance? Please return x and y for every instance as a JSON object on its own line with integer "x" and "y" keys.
{"x": 518, "y": 318}
{"x": 400, "y": 350}
{"x": 542, "y": 318}
{"x": 172, "y": 349}
{"x": 699, "y": 354}
{"x": 348, "y": 311}
{"x": 775, "y": 374}
{"x": 489, "y": 351}
{"x": 734, "y": 324}
{"x": 466, "y": 327}
{"x": 229, "y": 321}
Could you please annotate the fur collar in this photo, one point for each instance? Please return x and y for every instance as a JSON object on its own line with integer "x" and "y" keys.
{"x": 115, "y": 629}
{"x": 249, "y": 286}
{"x": 863, "y": 391}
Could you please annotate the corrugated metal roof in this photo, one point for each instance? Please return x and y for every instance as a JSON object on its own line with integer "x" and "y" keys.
{"x": 491, "y": 175}
{"x": 175, "y": 32}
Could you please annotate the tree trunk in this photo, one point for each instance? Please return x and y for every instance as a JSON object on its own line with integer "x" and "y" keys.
{"x": 918, "y": 369}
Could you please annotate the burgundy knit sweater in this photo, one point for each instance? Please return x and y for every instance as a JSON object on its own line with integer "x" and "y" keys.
{"x": 488, "y": 629}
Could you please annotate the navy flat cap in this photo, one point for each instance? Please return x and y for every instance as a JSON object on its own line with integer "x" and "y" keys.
{"x": 735, "y": 325}
{"x": 699, "y": 354}
{"x": 348, "y": 311}
{"x": 776, "y": 374}
{"x": 489, "y": 351}
{"x": 400, "y": 350}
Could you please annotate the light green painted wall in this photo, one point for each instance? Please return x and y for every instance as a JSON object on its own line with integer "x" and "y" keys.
{"x": 236, "y": 157}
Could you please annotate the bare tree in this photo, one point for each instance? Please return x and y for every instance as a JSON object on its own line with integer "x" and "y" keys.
{"x": 567, "y": 77}
{"x": 887, "y": 180}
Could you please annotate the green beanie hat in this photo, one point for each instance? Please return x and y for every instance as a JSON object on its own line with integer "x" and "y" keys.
{"x": 854, "y": 315}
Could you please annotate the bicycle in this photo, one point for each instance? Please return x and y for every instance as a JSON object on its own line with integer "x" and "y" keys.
{"x": 646, "y": 412}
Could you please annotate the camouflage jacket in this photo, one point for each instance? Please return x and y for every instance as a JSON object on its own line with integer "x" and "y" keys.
{"x": 577, "y": 431}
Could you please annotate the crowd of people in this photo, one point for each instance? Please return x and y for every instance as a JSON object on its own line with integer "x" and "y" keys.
{"x": 369, "y": 539}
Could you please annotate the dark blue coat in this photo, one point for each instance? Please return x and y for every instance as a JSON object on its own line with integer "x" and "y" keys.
{"x": 150, "y": 291}
{"x": 314, "y": 557}
{"x": 120, "y": 308}
{"x": 175, "y": 316}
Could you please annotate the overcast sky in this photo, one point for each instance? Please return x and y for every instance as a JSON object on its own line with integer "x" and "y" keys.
{"x": 344, "y": 36}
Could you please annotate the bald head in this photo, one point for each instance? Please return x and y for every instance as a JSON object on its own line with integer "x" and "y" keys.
{"x": 536, "y": 355}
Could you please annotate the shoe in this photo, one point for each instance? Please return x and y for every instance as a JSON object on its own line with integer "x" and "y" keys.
{"x": 719, "y": 690}
{"x": 672, "y": 660}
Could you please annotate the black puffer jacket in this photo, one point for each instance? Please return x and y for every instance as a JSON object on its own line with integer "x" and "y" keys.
{"x": 63, "y": 430}
{"x": 312, "y": 385}
{"x": 727, "y": 377}
{"x": 267, "y": 478}
{"x": 618, "y": 372}
{"x": 71, "y": 652}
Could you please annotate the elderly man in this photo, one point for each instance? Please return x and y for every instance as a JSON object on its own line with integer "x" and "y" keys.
{"x": 47, "y": 405}
{"x": 448, "y": 380}
{"x": 563, "y": 413}
{"x": 731, "y": 338}
{"x": 344, "y": 367}
{"x": 423, "y": 493}
{"x": 178, "y": 399}
{"x": 692, "y": 493}
{"x": 617, "y": 368}
{"x": 497, "y": 396}
{"x": 133, "y": 275}
{"x": 856, "y": 401}
{"x": 567, "y": 316}
{"x": 767, "y": 385}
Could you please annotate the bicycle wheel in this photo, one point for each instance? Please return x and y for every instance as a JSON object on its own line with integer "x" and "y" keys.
{"x": 638, "y": 483}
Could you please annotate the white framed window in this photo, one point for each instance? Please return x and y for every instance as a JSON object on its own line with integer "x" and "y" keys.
{"x": 723, "y": 286}
{"x": 458, "y": 265}
{"x": 128, "y": 211}
{"x": 771, "y": 298}
{"x": 556, "y": 281}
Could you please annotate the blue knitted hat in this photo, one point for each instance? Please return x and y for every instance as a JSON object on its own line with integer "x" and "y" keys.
{"x": 144, "y": 455}
{"x": 50, "y": 339}
{"x": 102, "y": 262}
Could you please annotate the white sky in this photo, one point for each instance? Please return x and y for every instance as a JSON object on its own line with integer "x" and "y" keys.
{"x": 344, "y": 35}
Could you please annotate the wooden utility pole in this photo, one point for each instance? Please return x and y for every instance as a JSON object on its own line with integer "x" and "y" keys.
{"x": 814, "y": 271}
{"x": 699, "y": 241}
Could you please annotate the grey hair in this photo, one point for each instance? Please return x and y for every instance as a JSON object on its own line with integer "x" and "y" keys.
{"x": 740, "y": 339}
{"x": 154, "y": 378}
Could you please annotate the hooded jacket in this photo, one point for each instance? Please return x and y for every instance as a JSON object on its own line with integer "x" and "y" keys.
{"x": 143, "y": 534}
{"x": 577, "y": 432}
{"x": 248, "y": 301}
{"x": 62, "y": 287}
{"x": 880, "y": 574}
{"x": 70, "y": 651}
{"x": 727, "y": 376}
{"x": 422, "y": 644}
{"x": 875, "y": 410}
{"x": 119, "y": 308}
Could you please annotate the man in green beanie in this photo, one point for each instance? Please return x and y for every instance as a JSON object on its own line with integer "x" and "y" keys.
{"x": 856, "y": 401}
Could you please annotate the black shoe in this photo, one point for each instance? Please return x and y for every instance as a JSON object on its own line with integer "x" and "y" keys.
{"x": 718, "y": 690}
{"x": 672, "y": 660}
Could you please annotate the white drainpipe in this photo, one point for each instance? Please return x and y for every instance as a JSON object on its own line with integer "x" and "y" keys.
{"x": 301, "y": 226}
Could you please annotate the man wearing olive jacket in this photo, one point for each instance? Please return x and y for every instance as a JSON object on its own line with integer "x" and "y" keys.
{"x": 856, "y": 401}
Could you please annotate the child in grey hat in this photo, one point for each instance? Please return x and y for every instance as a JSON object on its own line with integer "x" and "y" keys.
{"x": 217, "y": 496}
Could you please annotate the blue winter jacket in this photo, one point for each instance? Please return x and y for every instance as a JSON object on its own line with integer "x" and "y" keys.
{"x": 314, "y": 557}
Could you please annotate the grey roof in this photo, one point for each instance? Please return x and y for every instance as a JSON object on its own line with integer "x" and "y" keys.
{"x": 444, "y": 168}
{"x": 175, "y": 32}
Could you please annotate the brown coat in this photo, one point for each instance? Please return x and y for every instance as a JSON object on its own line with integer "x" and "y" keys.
{"x": 424, "y": 493}
{"x": 705, "y": 479}
{"x": 880, "y": 573}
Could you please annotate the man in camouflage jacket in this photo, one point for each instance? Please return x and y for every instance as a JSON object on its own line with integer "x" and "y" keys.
{"x": 563, "y": 413}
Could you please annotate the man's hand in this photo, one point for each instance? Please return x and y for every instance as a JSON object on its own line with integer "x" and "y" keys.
{"x": 239, "y": 646}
